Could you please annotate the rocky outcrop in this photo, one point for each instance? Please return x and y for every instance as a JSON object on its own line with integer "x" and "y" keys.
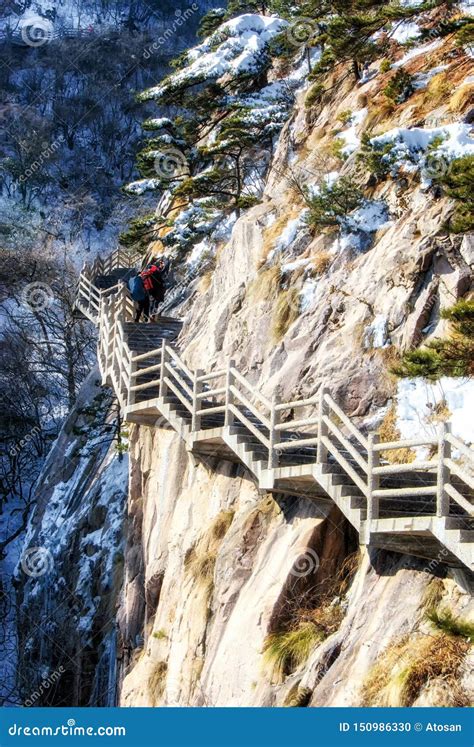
{"x": 213, "y": 568}
{"x": 71, "y": 566}
{"x": 203, "y": 607}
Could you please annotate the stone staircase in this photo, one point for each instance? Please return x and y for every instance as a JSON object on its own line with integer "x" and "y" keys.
{"x": 424, "y": 508}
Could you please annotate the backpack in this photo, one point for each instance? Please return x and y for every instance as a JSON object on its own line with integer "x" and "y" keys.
{"x": 150, "y": 277}
{"x": 136, "y": 286}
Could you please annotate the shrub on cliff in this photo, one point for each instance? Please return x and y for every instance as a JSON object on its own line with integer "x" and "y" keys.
{"x": 378, "y": 158}
{"x": 458, "y": 183}
{"x": 448, "y": 356}
{"x": 333, "y": 202}
{"x": 400, "y": 86}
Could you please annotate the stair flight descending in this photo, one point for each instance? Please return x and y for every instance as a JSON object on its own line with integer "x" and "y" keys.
{"x": 425, "y": 508}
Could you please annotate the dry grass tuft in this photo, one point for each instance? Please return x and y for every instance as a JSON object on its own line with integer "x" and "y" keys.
{"x": 440, "y": 413}
{"x": 205, "y": 282}
{"x": 380, "y": 112}
{"x": 308, "y": 617}
{"x": 266, "y": 285}
{"x": 298, "y": 697}
{"x": 439, "y": 89}
{"x": 201, "y": 566}
{"x": 286, "y": 311}
{"x": 445, "y": 621}
{"x": 388, "y": 431}
{"x": 200, "y": 560}
{"x": 221, "y": 524}
{"x": 433, "y": 594}
{"x": 321, "y": 262}
{"x": 287, "y": 650}
{"x": 157, "y": 681}
{"x": 407, "y": 666}
{"x": 461, "y": 98}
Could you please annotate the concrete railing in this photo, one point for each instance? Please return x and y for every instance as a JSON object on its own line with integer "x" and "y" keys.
{"x": 319, "y": 428}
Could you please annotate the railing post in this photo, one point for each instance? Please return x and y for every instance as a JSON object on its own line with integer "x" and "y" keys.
{"x": 229, "y": 400}
{"x": 198, "y": 387}
{"x": 373, "y": 481}
{"x": 273, "y": 458}
{"x": 124, "y": 303}
{"x": 323, "y": 430}
{"x": 133, "y": 368}
{"x": 163, "y": 387}
{"x": 444, "y": 452}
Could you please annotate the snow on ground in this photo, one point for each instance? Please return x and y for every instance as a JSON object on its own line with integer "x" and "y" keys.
{"x": 307, "y": 294}
{"x": 142, "y": 185}
{"x": 405, "y": 31}
{"x": 376, "y": 333}
{"x": 330, "y": 178}
{"x": 467, "y": 7}
{"x": 416, "y": 51}
{"x": 301, "y": 71}
{"x": 411, "y": 145}
{"x": 198, "y": 252}
{"x": 349, "y": 135}
{"x": 159, "y": 122}
{"x": 99, "y": 479}
{"x": 357, "y": 228}
{"x": 421, "y": 80}
{"x": 287, "y": 267}
{"x": 417, "y": 399}
{"x": 289, "y": 234}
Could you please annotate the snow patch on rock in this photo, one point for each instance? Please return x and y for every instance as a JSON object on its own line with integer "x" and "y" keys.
{"x": 417, "y": 400}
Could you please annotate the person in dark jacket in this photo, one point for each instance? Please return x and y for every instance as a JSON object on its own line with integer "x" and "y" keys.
{"x": 141, "y": 298}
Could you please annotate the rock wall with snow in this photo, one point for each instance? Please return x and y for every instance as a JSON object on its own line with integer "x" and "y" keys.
{"x": 71, "y": 565}
{"x": 213, "y": 568}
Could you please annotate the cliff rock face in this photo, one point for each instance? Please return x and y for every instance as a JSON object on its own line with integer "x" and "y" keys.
{"x": 71, "y": 566}
{"x": 216, "y": 573}
{"x": 231, "y": 597}
{"x": 213, "y": 568}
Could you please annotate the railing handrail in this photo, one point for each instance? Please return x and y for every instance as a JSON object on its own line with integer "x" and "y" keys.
{"x": 333, "y": 433}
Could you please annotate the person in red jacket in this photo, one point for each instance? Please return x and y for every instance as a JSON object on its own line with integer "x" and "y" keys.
{"x": 154, "y": 281}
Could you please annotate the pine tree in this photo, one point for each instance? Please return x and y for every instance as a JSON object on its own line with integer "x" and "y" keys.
{"x": 210, "y": 22}
{"x": 333, "y": 203}
{"x": 449, "y": 356}
{"x": 458, "y": 183}
{"x": 238, "y": 7}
